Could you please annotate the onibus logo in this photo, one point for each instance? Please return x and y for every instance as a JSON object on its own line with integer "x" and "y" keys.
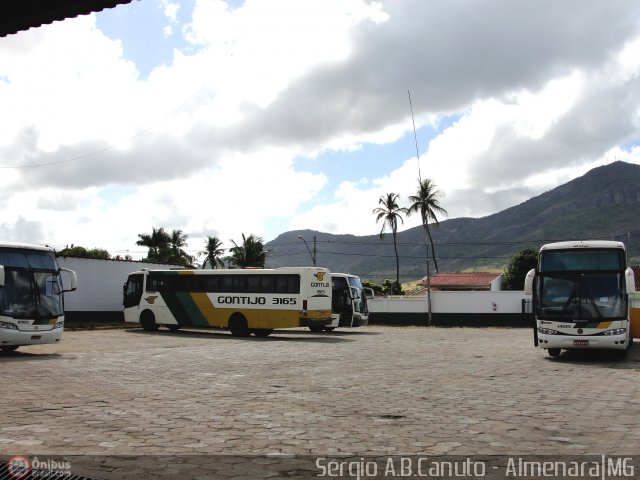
{"x": 18, "y": 467}
{"x": 319, "y": 276}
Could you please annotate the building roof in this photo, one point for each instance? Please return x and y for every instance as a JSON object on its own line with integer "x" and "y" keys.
{"x": 25, "y": 14}
{"x": 462, "y": 280}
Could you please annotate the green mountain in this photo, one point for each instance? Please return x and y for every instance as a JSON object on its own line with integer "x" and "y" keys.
{"x": 602, "y": 204}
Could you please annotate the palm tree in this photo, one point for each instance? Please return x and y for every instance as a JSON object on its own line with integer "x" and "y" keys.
{"x": 157, "y": 243}
{"x": 250, "y": 253}
{"x": 176, "y": 254}
{"x": 426, "y": 201}
{"x": 213, "y": 252}
{"x": 390, "y": 212}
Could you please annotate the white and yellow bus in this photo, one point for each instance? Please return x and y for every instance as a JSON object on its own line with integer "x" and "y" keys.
{"x": 244, "y": 301}
{"x": 31, "y": 295}
{"x": 581, "y": 296}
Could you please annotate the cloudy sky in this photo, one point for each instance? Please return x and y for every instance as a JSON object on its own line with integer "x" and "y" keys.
{"x": 257, "y": 116}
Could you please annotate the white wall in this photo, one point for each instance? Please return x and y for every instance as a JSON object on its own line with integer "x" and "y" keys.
{"x": 99, "y": 283}
{"x": 452, "y": 302}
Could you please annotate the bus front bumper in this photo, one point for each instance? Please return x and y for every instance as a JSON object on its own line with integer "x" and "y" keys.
{"x": 12, "y": 337}
{"x": 567, "y": 342}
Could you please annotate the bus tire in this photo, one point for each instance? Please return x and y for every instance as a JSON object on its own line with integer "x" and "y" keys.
{"x": 148, "y": 321}
{"x": 554, "y": 352}
{"x": 9, "y": 348}
{"x": 238, "y": 325}
{"x": 262, "y": 332}
{"x": 315, "y": 328}
{"x": 329, "y": 329}
{"x": 173, "y": 328}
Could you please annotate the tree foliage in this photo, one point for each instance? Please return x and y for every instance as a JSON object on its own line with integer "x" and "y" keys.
{"x": 164, "y": 247}
{"x": 426, "y": 201}
{"x": 390, "y": 213}
{"x": 213, "y": 252}
{"x": 516, "y": 271}
{"x": 249, "y": 253}
{"x": 81, "y": 252}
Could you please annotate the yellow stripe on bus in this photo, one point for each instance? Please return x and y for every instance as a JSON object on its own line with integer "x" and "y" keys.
{"x": 604, "y": 324}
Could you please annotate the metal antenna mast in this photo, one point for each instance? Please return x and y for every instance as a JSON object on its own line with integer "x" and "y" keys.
{"x": 415, "y": 137}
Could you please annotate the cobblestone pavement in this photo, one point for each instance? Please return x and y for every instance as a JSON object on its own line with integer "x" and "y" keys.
{"x": 372, "y": 391}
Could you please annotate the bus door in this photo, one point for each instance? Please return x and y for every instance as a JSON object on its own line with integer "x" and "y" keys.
{"x": 133, "y": 290}
{"x": 341, "y": 302}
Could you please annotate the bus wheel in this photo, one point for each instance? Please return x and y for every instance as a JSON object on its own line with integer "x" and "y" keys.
{"x": 554, "y": 352}
{"x": 9, "y": 348}
{"x": 148, "y": 321}
{"x": 173, "y": 328}
{"x": 238, "y": 326}
{"x": 315, "y": 328}
{"x": 262, "y": 332}
{"x": 329, "y": 329}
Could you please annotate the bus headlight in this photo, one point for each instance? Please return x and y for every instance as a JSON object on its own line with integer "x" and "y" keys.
{"x": 58, "y": 325}
{"x": 547, "y": 331}
{"x": 8, "y": 325}
{"x": 615, "y": 331}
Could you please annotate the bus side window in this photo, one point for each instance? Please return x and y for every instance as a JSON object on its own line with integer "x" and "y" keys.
{"x": 239, "y": 284}
{"x": 253, "y": 284}
{"x": 266, "y": 284}
{"x": 294, "y": 284}
{"x": 210, "y": 283}
{"x": 226, "y": 284}
{"x": 282, "y": 285}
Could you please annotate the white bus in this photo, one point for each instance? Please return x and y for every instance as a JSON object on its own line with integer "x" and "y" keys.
{"x": 31, "y": 295}
{"x": 244, "y": 301}
{"x": 581, "y": 296}
{"x": 349, "y": 306}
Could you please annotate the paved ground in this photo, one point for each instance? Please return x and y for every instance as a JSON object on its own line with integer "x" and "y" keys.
{"x": 372, "y": 391}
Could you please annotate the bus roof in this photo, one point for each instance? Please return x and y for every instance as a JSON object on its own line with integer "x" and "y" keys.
{"x": 582, "y": 244}
{"x": 26, "y": 246}
{"x": 235, "y": 271}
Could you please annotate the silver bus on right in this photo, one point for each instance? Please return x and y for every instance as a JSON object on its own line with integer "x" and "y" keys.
{"x": 581, "y": 296}
{"x": 349, "y": 307}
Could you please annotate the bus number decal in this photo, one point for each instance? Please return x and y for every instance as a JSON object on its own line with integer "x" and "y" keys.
{"x": 284, "y": 301}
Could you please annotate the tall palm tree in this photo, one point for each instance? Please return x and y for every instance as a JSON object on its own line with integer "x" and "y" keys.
{"x": 390, "y": 212}
{"x": 250, "y": 253}
{"x": 177, "y": 242}
{"x": 213, "y": 252}
{"x": 157, "y": 243}
{"x": 426, "y": 201}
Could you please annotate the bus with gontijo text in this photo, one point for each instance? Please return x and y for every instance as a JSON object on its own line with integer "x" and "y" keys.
{"x": 581, "y": 296}
{"x": 244, "y": 301}
{"x": 31, "y": 295}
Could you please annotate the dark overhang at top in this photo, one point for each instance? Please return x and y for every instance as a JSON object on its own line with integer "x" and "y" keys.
{"x": 18, "y": 15}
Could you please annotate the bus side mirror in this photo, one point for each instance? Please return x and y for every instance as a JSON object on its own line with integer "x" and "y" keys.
{"x": 368, "y": 292}
{"x": 1, "y": 276}
{"x": 630, "y": 280}
{"x": 528, "y": 282}
{"x": 74, "y": 280}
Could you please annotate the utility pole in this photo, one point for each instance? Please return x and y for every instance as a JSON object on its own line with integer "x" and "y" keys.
{"x": 315, "y": 251}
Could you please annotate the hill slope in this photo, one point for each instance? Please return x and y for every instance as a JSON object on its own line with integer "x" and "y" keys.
{"x": 603, "y": 203}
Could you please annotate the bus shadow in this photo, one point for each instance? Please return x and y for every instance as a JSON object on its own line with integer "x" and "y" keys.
{"x": 601, "y": 358}
{"x": 276, "y": 336}
{"x": 18, "y": 356}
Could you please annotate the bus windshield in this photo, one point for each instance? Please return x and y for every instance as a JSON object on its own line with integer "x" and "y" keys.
{"x": 31, "y": 294}
{"x": 570, "y": 296}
